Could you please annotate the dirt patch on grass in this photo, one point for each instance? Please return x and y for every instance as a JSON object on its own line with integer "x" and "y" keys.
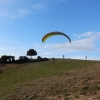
{"x": 79, "y": 84}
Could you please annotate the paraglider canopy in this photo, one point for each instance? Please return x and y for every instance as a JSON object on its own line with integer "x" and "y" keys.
{"x": 45, "y": 37}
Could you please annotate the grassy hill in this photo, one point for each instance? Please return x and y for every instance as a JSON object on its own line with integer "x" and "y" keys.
{"x": 63, "y": 80}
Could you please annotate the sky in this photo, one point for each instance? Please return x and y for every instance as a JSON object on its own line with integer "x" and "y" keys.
{"x": 23, "y": 23}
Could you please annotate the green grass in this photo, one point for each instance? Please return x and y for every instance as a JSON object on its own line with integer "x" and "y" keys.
{"x": 12, "y": 77}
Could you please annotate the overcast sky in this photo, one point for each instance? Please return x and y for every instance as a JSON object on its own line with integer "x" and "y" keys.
{"x": 23, "y": 23}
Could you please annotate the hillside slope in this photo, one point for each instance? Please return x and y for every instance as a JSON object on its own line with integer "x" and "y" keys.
{"x": 75, "y": 83}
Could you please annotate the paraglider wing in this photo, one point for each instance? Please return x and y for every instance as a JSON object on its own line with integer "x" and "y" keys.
{"x": 53, "y": 34}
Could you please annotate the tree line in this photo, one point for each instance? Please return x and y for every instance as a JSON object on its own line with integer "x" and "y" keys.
{"x": 8, "y": 59}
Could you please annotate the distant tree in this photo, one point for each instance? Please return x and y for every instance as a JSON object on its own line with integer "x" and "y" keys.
{"x": 4, "y": 59}
{"x": 23, "y": 59}
{"x": 7, "y": 59}
{"x": 1, "y": 61}
{"x": 10, "y": 59}
{"x": 31, "y": 52}
{"x": 39, "y": 57}
{"x": 13, "y": 59}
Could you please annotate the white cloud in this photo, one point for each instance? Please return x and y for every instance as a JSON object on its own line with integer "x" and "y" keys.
{"x": 88, "y": 58}
{"x": 11, "y": 14}
{"x": 86, "y": 44}
{"x": 24, "y": 11}
{"x": 2, "y": 48}
{"x": 61, "y": 0}
{"x": 87, "y": 34}
{"x": 5, "y": 2}
{"x": 39, "y": 7}
{"x": 12, "y": 10}
{"x": 11, "y": 48}
{"x": 4, "y": 14}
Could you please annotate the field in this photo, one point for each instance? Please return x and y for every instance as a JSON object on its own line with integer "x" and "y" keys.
{"x": 65, "y": 79}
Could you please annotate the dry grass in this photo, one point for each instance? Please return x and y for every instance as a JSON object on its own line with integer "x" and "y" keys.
{"x": 80, "y": 84}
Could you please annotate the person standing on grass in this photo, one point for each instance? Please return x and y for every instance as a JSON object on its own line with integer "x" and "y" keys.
{"x": 85, "y": 57}
{"x": 63, "y": 56}
{"x": 53, "y": 60}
